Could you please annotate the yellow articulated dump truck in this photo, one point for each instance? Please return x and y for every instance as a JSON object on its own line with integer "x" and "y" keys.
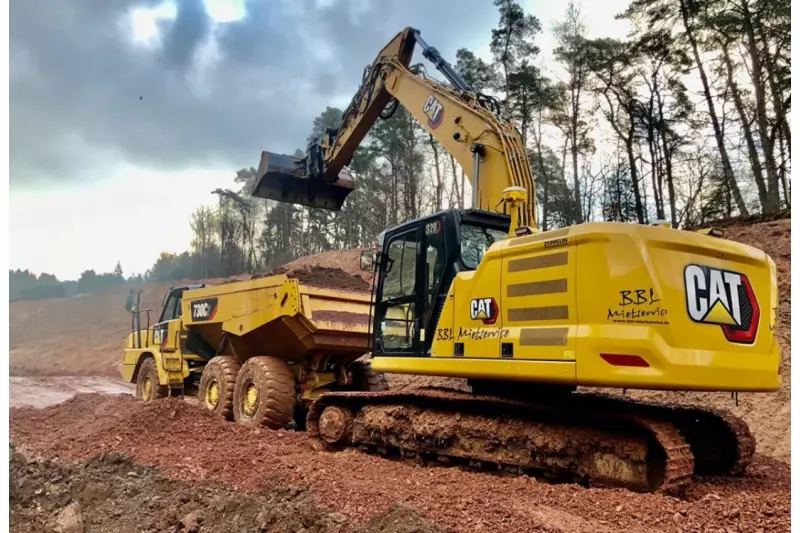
{"x": 257, "y": 352}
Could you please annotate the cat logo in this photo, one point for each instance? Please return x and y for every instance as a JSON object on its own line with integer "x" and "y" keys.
{"x": 484, "y": 309}
{"x": 434, "y": 110}
{"x": 722, "y": 298}
{"x": 160, "y": 333}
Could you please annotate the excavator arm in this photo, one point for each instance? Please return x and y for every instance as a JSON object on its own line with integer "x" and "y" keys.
{"x": 465, "y": 122}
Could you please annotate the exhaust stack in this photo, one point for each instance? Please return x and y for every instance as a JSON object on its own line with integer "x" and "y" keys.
{"x": 284, "y": 179}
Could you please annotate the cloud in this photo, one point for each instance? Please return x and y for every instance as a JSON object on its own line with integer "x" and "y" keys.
{"x": 211, "y": 94}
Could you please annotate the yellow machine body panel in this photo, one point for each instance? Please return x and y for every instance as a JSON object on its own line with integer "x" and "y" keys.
{"x": 279, "y": 315}
{"x": 172, "y": 366}
{"x": 611, "y": 305}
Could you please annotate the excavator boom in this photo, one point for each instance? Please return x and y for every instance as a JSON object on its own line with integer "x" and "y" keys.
{"x": 465, "y": 122}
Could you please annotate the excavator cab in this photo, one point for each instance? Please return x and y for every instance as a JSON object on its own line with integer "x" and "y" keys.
{"x": 416, "y": 266}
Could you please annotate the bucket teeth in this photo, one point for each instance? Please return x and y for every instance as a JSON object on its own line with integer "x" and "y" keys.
{"x": 284, "y": 179}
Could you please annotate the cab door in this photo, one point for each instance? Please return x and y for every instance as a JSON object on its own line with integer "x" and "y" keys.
{"x": 397, "y": 329}
{"x": 167, "y": 331}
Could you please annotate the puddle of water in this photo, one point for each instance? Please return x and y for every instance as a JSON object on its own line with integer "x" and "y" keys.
{"x": 44, "y": 391}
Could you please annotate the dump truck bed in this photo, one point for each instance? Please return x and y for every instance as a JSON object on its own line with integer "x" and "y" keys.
{"x": 279, "y": 315}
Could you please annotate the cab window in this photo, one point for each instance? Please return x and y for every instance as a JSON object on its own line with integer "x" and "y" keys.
{"x": 397, "y": 324}
{"x": 172, "y": 307}
{"x": 475, "y": 240}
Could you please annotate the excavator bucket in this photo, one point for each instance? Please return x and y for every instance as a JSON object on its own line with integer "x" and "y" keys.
{"x": 283, "y": 178}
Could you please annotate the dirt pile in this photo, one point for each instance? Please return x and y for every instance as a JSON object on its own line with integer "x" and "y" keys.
{"x": 190, "y": 445}
{"x": 112, "y": 493}
{"x": 324, "y": 278}
{"x": 347, "y": 260}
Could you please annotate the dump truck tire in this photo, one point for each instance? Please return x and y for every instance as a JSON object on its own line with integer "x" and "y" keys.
{"x": 367, "y": 380}
{"x": 217, "y": 384}
{"x": 148, "y": 387}
{"x": 264, "y": 395}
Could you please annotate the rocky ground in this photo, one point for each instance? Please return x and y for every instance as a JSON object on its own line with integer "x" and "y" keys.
{"x": 243, "y": 480}
{"x": 112, "y": 493}
{"x": 103, "y": 461}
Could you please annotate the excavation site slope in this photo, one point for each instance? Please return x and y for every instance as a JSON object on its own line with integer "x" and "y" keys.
{"x": 284, "y": 474}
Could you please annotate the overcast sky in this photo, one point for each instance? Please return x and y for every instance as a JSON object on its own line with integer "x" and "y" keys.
{"x": 126, "y": 114}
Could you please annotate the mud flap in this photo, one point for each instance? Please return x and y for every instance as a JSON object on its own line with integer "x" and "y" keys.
{"x": 283, "y": 179}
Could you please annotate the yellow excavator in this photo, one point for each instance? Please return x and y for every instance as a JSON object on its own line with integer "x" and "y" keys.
{"x": 527, "y": 317}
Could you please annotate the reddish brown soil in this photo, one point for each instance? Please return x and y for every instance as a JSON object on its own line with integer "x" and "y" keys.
{"x": 110, "y": 493}
{"x": 191, "y": 445}
{"x": 347, "y": 260}
{"x": 325, "y": 278}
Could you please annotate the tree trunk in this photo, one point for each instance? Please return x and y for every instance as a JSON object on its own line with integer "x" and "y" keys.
{"x": 777, "y": 99}
{"x": 723, "y": 152}
{"x": 637, "y": 195}
{"x": 784, "y": 182}
{"x": 755, "y": 162}
{"x": 666, "y": 151}
{"x": 545, "y": 181}
{"x": 574, "y": 149}
{"x": 673, "y": 213}
{"x": 653, "y": 171}
{"x": 459, "y": 192}
{"x": 773, "y": 195}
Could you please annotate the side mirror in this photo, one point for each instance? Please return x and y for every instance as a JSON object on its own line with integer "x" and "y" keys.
{"x": 368, "y": 261}
{"x": 130, "y": 303}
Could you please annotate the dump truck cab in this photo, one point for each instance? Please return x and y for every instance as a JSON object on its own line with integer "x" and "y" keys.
{"x": 158, "y": 356}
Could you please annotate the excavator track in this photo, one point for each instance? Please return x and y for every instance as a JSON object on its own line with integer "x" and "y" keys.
{"x": 567, "y": 439}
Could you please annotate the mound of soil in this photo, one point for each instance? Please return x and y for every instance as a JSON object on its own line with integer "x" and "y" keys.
{"x": 112, "y": 493}
{"x": 347, "y": 260}
{"x": 189, "y": 445}
{"x": 324, "y": 278}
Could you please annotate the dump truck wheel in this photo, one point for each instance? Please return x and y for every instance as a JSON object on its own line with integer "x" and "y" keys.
{"x": 147, "y": 386}
{"x": 367, "y": 380}
{"x": 264, "y": 395}
{"x": 217, "y": 383}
